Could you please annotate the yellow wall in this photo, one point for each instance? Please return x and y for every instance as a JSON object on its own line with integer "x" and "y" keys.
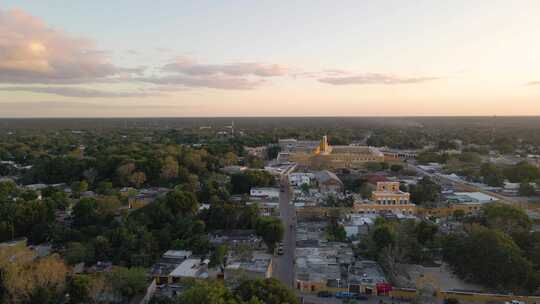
{"x": 334, "y": 160}
{"x": 388, "y": 186}
{"x": 367, "y": 208}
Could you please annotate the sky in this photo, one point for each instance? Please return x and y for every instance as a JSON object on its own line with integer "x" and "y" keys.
{"x": 135, "y": 58}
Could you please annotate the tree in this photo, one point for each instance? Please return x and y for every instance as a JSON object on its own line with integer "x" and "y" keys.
{"x": 526, "y": 189}
{"x": 207, "y": 293}
{"x": 425, "y": 191}
{"x": 425, "y": 232}
{"x": 230, "y": 159}
{"x": 271, "y": 230}
{"x": 254, "y": 162}
{"x": 29, "y": 195}
{"x": 336, "y": 231}
{"x": 161, "y": 300}
{"x": 107, "y": 206}
{"x": 490, "y": 257}
{"x": 383, "y": 236}
{"x": 396, "y": 168}
{"x": 373, "y": 166}
{"x": 492, "y": 175}
{"x": 124, "y": 173}
{"x": 76, "y": 253}
{"x": 85, "y": 212}
{"x": 79, "y": 187}
{"x": 182, "y": 202}
{"x": 305, "y": 188}
{"x": 219, "y": 255}
{"x": 243, "y": 252}
{"x": 522, "y": 172}
{"x": 79, "y": 289}
{"x": 137, "y": 179}
{"x": 267, "y": 291}
{"x": 105, "y": 188}
{"x": 366, "y": 191}
{"x": 26, "y": 279}
{"x": 429, "y": 157}
{"x": 244, "y": 181}
{"x": 507, "y": 218}
{"x": 7, "y": 188}
{"x": 169, "y": 168}
{"x": 128, "y": 282}
{"x": 90, "y": 175}
{"x": 272, "y": 151}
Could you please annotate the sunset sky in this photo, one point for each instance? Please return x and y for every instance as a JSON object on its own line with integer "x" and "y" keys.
{"x": 269, "y": 58}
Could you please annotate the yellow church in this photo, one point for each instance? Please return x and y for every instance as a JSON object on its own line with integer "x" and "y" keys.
{"x": 325, "y": 156}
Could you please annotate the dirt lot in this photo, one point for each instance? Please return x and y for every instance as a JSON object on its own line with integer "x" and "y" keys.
{"x": 441, "y": 277}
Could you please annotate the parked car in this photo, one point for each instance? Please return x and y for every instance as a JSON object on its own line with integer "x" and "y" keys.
{"x": 324, "y": 294}
{"x": 344, "y": 295}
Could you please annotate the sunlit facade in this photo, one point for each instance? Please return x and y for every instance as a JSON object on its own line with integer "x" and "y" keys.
{"x": 325, "y": 156}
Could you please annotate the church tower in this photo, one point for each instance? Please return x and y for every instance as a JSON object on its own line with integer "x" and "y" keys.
{"x": 324, "y": 147}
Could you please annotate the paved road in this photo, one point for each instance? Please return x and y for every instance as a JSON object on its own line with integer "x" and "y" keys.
{"x": 313, "y": 299}
{"x": 283, "y": 265}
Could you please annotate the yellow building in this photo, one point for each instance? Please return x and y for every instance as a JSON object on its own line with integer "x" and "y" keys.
{"x": 325, "y": 156}
{"x": 387, "y": 198}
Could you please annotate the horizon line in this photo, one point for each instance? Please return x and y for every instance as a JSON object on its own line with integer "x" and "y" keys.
{"x": 269, "y": 116}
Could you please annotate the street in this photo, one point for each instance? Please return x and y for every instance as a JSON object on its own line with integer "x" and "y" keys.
{"x": 313, "y": 299}
{"x": 283, "y": 265}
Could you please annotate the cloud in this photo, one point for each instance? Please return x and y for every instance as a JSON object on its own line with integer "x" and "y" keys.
{"x": 33, "y": 52}
{"x": 189, "y": 67}
{"x": 78, "y": 92}
{"x": 321, "y": 74}
{"x": 58, "y": 108}
{"x": 533, "y": 83}
{"x": 61, "y": 105}
{"x": 187, "y": 73}
{"x": 374, "y": 78}
{"x": 214, "y": 82}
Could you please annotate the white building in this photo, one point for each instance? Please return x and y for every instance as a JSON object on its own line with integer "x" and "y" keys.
{"x": 477, "y": 197}
{"x": 266, "y": 192}
{"x": 300, "y": 178}
{"x": 177, "y": 254}
{"x": 191, "y": 268}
